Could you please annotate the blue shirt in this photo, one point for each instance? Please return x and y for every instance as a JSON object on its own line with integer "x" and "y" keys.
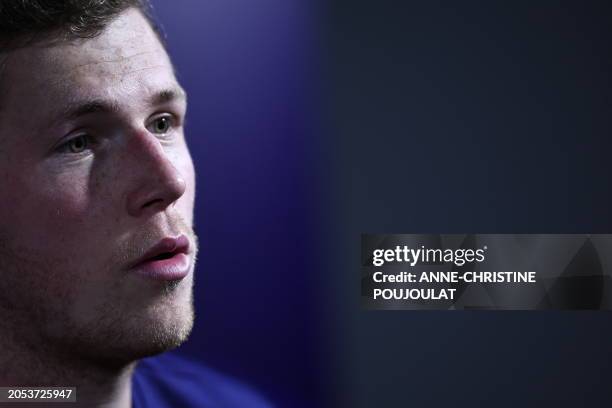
{"x": 167, "y": 381}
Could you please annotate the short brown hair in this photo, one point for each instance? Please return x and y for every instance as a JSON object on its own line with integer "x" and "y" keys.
{"x": 26, "y": 21}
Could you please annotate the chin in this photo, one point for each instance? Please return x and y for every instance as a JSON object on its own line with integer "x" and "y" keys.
{"x": 169, "y": 333}
{"x": 116, "y": 341}
{"x": 163, "y": 328}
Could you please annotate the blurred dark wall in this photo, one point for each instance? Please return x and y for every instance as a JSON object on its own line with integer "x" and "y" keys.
{"x": 468, "y": 117}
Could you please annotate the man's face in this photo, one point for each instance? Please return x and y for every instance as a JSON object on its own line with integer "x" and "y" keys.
{"x": 94, "y": 171}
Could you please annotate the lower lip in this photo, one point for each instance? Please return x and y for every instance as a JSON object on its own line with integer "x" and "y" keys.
{"x": 171, "y": 269}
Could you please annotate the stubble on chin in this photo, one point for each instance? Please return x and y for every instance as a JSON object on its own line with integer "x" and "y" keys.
{"x": 47, "y": 316}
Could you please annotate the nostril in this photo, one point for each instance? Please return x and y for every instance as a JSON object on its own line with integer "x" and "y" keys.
{"x": 152, "y": 202}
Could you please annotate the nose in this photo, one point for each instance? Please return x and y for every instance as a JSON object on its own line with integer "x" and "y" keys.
{"x": 156, "y": 183}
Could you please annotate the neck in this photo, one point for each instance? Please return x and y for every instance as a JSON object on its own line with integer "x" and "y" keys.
{"x": 97, "y": 384}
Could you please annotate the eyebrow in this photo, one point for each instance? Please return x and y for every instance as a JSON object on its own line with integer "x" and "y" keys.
{"x": 168, "y": 95}
{"x": 76, "y": 110}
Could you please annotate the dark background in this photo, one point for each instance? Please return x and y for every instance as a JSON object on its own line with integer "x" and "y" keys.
{"x": 313, "y": 122}
{"x": 469, "y": 117}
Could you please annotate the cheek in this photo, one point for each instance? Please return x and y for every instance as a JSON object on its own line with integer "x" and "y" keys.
{"x": 44, "y": 227}
{"x": 66, "y": 200}
{"x": 47, "y": 209}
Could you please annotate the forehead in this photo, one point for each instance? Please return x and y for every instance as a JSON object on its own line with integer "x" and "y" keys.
{"x": 126, "y": 62}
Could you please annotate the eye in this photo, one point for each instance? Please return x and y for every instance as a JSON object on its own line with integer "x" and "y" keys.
{"x": 161, "y": 125}
{"x": 76, "y": 145}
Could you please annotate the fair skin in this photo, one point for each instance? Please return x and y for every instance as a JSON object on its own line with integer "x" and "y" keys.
{"x": 94, "y": 170}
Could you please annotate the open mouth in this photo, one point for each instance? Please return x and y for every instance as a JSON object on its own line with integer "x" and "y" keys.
{"x": 162, "y": 256}
{"x": 166, "y": 261}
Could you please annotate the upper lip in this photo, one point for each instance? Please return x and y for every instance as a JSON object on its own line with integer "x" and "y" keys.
{"x": 167, "y": 245}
